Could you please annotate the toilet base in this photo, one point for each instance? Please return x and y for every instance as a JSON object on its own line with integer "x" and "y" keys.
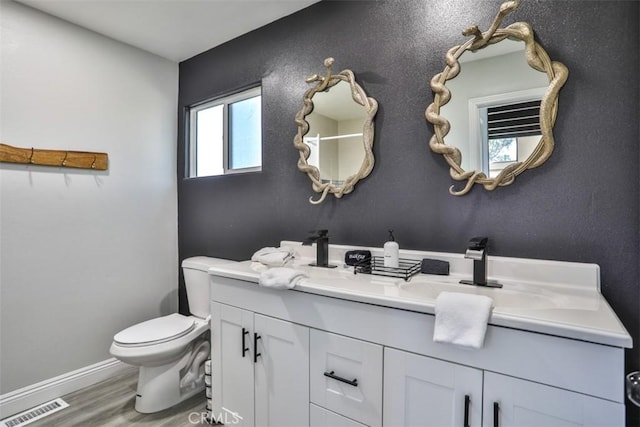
{"x": 159, "y": 387}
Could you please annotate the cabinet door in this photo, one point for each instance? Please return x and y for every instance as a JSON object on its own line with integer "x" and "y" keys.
{"x": 513, "y": 402}
{"x": 281, "y": 373}
{"x": 421, "y": 391}
{"x": 232, "y": 364}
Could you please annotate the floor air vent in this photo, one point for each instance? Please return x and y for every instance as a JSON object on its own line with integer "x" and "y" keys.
{"x": 33, "y": 414}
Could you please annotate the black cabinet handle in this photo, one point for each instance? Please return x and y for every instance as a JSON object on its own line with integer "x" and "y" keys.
{"x": 256, "y": 337}
{"x": 467, "y": 402}
{"x": 244, "y": 345}
{"x": 332, "y": 375}
{"x": 496, "y": 414}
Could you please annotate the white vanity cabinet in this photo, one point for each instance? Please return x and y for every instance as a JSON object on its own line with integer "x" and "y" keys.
{"x": 317, "y": 341}
{"x": 427, "y": 392}
{"x": 260, "y": 369}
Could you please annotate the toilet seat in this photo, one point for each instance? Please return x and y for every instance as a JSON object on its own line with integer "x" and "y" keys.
{"x": 155, "y": 331}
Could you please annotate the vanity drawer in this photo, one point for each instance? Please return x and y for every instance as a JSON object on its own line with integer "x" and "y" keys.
{"x": 320, "y": 417}
{"x": 346, "y": 376}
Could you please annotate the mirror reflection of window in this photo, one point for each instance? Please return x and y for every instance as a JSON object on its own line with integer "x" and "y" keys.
{"x": 510, "y": 132}
{"x": 502, "y": 152}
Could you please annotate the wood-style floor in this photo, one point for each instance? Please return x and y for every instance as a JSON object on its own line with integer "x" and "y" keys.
{"x": 111, "y": 404}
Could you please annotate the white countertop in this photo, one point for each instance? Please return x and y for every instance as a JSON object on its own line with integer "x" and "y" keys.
{"x": 550, "y": 297}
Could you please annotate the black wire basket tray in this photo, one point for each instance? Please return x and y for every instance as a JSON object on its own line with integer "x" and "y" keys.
{"x": 406, "y": 269}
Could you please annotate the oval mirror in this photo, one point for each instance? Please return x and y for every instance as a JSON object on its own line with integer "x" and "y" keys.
{"x": 495, "y": 119}
{"x": 335, "y": 133}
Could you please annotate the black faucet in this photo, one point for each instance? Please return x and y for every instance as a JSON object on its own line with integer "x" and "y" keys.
{"x": 321, "y": 238}
{"x": 477, "y": 251}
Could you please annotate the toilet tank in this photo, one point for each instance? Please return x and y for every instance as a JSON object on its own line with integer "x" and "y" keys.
{"x": 196, "y": 280}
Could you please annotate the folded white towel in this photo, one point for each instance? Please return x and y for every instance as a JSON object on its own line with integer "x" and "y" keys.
{"x": 274, "y": 257}
{"x": 461, "y": 319}
{"x": 280, "y": 278}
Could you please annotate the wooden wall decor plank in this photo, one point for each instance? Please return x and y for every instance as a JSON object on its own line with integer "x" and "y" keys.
{"x": 59, "y": 158}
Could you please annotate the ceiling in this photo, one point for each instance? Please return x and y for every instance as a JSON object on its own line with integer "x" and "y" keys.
{"x": 173, "y": 29}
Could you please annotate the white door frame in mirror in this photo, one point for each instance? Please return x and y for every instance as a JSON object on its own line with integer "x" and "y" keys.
{"x": 538, "y": 59}
{"x": 370, "y": 107}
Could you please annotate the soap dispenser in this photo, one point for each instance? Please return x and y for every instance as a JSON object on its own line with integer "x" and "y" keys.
{"x": 391, "y": 250}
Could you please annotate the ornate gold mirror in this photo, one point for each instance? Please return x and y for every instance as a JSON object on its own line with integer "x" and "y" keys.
{"x": 495, "y": 119}
{"x": 335, "y": 133}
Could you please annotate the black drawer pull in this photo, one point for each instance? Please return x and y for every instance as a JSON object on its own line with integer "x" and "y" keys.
{"x": 244, "y": 345}
{"x": 496, "y": 414}
{"x": 332, "y": 375}
{"x": 467, "y": 402}
{"x": 256, "y": 337}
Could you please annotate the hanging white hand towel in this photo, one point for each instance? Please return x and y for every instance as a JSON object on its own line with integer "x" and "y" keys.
{"x": 274, "y": 257}
{"x": 280, "y": 278}
{"x": 461, "y": 319}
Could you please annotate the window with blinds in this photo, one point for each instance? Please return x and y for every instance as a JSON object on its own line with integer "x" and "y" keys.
{"x": 514, "y": 120}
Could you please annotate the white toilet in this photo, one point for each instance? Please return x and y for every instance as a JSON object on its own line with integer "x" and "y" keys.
{"x": 171, "y": 350}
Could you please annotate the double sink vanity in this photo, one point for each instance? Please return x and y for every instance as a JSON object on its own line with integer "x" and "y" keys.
{"x": 345, "y": 349}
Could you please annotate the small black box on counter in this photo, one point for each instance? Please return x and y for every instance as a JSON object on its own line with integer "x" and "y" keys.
{"x": 434, "y": 266}
{"x": 356, "y": 257}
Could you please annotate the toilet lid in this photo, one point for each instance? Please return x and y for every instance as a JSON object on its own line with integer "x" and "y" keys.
{"x": 156, "y": 330}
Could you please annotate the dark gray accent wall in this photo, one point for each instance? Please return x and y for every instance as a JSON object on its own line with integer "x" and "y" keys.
{"x": 581, "y": 205}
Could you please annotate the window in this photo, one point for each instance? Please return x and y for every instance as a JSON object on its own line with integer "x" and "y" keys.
{"x": 225, "y": 135}
{"x": 502, "y": 152}
{"x": 514, "y": 120}
{"x": 510, "y": 131}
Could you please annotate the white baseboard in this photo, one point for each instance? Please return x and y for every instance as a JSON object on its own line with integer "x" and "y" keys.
{"x": 32, "y": 395}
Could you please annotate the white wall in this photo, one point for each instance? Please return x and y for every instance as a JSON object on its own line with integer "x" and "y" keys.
{"x": 83, "y": 254}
